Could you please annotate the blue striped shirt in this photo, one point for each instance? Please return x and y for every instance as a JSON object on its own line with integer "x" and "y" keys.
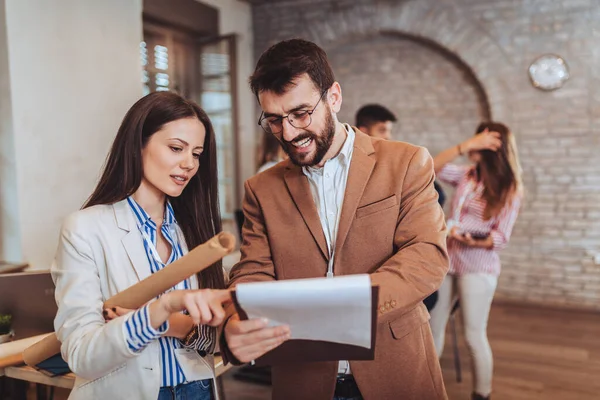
{"x": 139, "y": 332}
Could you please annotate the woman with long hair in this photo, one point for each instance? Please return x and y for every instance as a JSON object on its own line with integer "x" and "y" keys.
{"x": 484, "y": 209}
{"x": 156, "y": 198}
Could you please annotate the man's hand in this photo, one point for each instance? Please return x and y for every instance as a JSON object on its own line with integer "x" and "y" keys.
{"x": 248, "y": 340}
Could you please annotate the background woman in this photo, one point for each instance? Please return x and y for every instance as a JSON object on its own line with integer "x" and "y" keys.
{"x": 484, "y": 209}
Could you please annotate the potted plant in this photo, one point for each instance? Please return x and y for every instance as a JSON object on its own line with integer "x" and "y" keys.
{"x": 5, "y": 327}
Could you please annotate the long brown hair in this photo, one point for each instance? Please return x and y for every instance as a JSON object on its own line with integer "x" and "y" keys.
{"x": 197, "y": 208}
{"x": 499, "y": 170}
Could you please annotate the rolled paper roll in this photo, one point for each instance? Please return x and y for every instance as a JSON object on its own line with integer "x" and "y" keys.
{"x": 198, "y": 259}
{"x": 11, "y": 353}
{"x": 40, "y": 351}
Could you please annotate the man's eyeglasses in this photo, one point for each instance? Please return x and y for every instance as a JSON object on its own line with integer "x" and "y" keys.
{"x": 298, "y": 119}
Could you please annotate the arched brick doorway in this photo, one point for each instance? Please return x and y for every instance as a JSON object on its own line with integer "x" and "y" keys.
{"x": 436, "y": 96}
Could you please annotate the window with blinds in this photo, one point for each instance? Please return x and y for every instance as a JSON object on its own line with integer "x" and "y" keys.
{"x": 155, "y": 63}
{"x": 202, "y": 71}
{"x": 217, "y": 100}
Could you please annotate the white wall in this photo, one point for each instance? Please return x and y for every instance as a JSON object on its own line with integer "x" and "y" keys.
{"x": 69, "y": 70}
{"x": 74, "y": 72}
{"x": 236, "y": 17}
{"x": 10, "y": 238}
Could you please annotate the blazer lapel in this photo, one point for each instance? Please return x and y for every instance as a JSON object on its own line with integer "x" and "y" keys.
{"x": 299, "y": 189}
{"x": 132, "y": 241}
{"x": 361, "y": 167}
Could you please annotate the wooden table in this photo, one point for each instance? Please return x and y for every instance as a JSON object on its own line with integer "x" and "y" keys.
{"x": 26, "y": 373}
{"x": 29, "y": 374}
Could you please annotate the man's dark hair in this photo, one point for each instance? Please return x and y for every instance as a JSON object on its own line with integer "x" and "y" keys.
{"x": 373, "y": 113}
{"x": 285, "y": 61}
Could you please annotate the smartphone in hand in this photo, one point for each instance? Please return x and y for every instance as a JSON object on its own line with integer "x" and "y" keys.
{"x": 478, "y": 235}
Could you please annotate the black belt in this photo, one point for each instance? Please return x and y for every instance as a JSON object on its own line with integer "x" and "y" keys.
{"x": 346, "y": 386}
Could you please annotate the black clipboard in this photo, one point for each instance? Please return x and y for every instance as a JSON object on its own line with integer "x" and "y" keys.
{"x": 299, "y": 350}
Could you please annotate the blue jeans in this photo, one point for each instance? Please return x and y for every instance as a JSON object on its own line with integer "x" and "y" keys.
{"x": 198, "y": 390}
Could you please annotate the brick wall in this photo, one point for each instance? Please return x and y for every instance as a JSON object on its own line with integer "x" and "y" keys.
{"x": 436, "y": 100}
{"x": 550, "y": 259}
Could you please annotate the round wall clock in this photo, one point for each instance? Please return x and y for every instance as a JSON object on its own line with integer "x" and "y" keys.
{"x": 548, "y": 72}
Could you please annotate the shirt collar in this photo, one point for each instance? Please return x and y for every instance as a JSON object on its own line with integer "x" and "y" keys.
{"x": 345, "y": 154}
{"x": 143, "y": 218}
{"x": 169, "y": 215}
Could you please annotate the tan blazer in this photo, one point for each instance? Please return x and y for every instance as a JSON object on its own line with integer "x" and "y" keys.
{"x": 392, "y": 227}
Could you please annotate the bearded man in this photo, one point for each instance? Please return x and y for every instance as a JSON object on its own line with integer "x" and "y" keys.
{"x": 343, "y": 203}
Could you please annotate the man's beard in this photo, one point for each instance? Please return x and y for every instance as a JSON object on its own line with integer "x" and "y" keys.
{"x": 322, "y": 142}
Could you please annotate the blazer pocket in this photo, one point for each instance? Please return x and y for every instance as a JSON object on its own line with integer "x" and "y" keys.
{"x": 380, "y": 205}
{"x": 408, "y": 322}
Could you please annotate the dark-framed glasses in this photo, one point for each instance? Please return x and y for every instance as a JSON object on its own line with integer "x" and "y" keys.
{"x": 298, "y": 119}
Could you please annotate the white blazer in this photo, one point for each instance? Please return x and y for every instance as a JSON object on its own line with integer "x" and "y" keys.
{"x": 100, "y": 253}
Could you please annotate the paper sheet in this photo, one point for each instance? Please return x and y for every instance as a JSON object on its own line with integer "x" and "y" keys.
{"x": 331, "y": 309}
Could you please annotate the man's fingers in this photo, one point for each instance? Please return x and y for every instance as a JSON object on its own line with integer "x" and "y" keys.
{"x": 252, "y": 338}
{"x": 256, "y": 350}
{"x": 237, "y": 327}
{"x": 262, "y": 335}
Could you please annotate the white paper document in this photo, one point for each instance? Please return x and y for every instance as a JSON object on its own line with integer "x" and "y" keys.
{"x": 331, "y": 309}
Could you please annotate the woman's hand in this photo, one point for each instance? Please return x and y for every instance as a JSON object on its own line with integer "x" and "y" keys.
{"x": 112, "y": 313}
{"x": 486, "y": 140}
{"x": 204, "y": 306}
{"x": 179, "y": 324}
{"x": 467, "y": 239}
{"x": 463, "y": 238}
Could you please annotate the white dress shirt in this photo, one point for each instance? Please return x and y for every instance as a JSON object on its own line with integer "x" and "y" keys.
{"x": 328, "y": 185}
